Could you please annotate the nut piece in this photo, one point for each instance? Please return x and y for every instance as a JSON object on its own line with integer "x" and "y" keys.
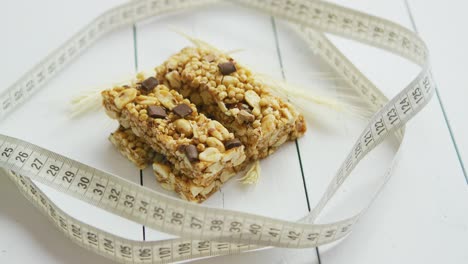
{"x": 235, "y": 156}
{"x": 285, "y": 112}
{"x": 183, "y": 127}
{"x": 208, "y": 189}
{"x": 166, "y": 99}
{"x": 268, "y": 123}
{"x": 226, "y": 175}
{"x": 125, "y": 97}
{"x": 145, "y": 100}
{"x": 215, "y": 143}
{"x": 174, "y": 79}
{"x": 228, "y": 80}
{"x": 214, "y": 168}
{"x": 210, "y": 155}
{"x": 112, "y": 114}
{"x": 217, "y": 130}
{"x": 252, "y": 99}
{"x": 280, "y": 141}
{"x": 233, "y": 143}
{"x": 223, "y": 107}
{"x": 161, "y": 169}
{"x": 245, "y": 116}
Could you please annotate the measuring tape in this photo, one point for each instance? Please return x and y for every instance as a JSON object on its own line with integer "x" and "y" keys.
{"x": 207, "y": 231}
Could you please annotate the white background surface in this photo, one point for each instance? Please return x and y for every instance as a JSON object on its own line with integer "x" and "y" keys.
{"x": 421, "y": 216}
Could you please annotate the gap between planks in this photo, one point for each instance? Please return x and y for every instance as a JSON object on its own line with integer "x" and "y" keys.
{"x": 135, "y": 57}
{"x": 439, "y": 99}
{"x": 280, "y": 61}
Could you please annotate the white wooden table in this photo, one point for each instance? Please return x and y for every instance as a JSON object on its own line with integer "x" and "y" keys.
{"x": 420, "y": 217}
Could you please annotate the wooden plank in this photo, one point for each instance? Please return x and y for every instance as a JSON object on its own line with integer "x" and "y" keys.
{"x": 417, "y": 210}
{"x": 28, "y": 237}
{"x": 32, "y": 30}
{"x": 280, "y": 192}
{"x": 333, "y": 133}
{"x": 442, "y": 27}
{"x": 389, "y": 241}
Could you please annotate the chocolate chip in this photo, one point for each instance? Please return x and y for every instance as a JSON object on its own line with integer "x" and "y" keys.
{"x": 227, "y": 68}
{"x": 191, "y": 152}
{"x": 209, "y": 58}
{"x": 155, "y": 111}
{"x": 233, "y": 143}
{"x": 182, "y": 110}
{"x": 149, "y": 84}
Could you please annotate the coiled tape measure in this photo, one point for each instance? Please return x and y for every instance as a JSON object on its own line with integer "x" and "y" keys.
{"x": 207, "y": 231}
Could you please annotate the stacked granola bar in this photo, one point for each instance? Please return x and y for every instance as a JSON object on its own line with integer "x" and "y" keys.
{"x": 125, "y": 140}
{"x": 228, "y": 92}
{"x": 201, "y": 119}
{"x": 132, "y": 147}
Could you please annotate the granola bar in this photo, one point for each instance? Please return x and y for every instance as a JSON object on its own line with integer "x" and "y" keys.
{"x": 228, "y": 92}
{"x": 141, "y": 154}
{"x": 186, "y": 187}
{"x": 200, "y": 152}
{"x": 197, "y": 147}
{"x": 132, "y": 147}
